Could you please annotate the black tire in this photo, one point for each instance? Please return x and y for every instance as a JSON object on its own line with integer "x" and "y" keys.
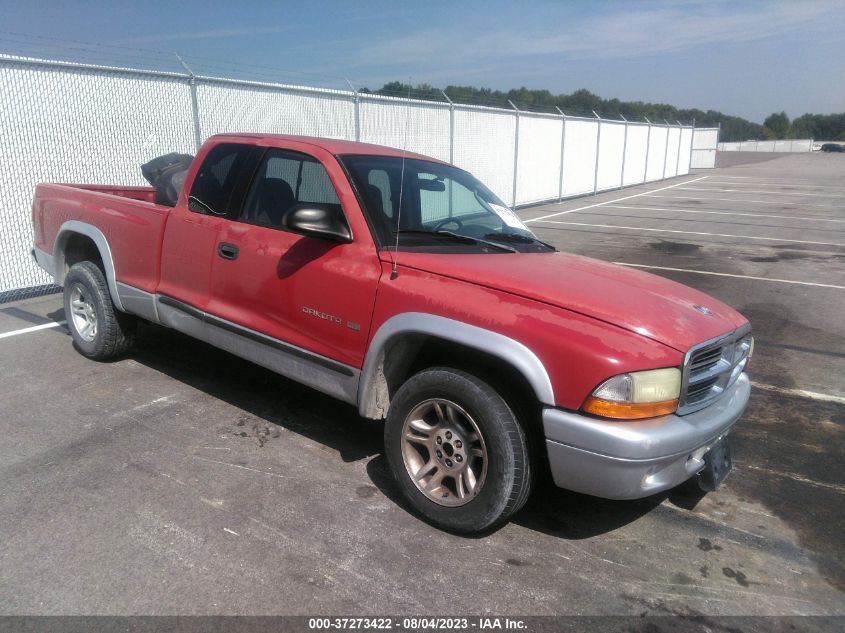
{"x": 508, "y": 480}
{"x": 115, "y": 330}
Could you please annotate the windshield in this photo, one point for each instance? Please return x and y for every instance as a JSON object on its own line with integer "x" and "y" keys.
{"x": 439, "y": 204}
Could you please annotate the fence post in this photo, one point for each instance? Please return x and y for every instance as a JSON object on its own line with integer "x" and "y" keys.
{"x": 451, "y": 128}
{"x": 718, "y": 134}
{"x": 598, "y": 149}
{"x": 691, "y": 141}
{"x": 666, "y": 149}
{"x": 562, "y": 146}
{"x": 647, "y": 149}
{"x": 678, "y": 158}
{"x": 451, "y": 142}
{"x": 195, "y": 111}
{"x": 357, "y": 98}
{"x": 515, "y": 152}
{"x": 624, "y": 149}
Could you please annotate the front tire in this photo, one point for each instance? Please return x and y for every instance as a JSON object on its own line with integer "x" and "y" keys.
{"x": 457, "y": 450}
{"x": 98, "y": 329}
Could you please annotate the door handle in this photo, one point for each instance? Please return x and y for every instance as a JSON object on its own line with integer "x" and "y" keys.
{"x": 227, "y": 251}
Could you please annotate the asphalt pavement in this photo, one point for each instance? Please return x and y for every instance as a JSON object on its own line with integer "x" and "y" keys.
{"x": 182, "y": 480}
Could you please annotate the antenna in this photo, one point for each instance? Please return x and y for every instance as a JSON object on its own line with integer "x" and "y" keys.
{"x": 395, "y": 272}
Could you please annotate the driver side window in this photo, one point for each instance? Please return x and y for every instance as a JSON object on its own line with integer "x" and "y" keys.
{"x": 286, "y": 179}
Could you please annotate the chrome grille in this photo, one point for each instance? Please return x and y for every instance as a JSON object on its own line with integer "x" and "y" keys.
{"x": 705, "y": 359}
{"x": 712, "y": 367}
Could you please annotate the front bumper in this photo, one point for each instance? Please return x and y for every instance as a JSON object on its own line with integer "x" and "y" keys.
{"x": 629, "y": 460}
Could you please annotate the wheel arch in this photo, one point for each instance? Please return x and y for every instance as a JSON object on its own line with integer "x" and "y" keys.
{"x": 401, "y": 339}
{"x": 68, "y": 233}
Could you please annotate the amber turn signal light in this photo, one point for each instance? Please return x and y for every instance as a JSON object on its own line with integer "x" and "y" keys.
{"x": 628, "y": 410}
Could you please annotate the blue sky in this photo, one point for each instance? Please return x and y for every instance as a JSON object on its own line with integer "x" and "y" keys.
{"x": 746, "y": 58}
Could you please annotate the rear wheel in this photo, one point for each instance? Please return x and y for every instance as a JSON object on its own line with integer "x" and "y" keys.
{"x": 98, "y": 329}
{"x": 457, "y": 450}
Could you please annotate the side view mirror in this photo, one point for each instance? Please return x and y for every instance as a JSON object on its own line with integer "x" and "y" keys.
{"x": 321, "y": 221}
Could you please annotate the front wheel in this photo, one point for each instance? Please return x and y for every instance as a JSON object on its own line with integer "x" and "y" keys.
{"x": 99, "y": 330}
{"x": 457, "y": 450}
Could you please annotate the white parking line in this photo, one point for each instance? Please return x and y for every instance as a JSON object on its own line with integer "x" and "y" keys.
{"x": 753, "y": 215}
{"x": 718, "y": 175}
{"x": 34, "y": 328}
{"x": 769, "y": 181}
{"x": 710, "y": 272}
{"x": 774, "y": 193}
{"x": 601, "y": 204}
{"x": 803, "y": 204}
{"x": 774, "y": 184}
{"x": 743, "y": 237}
{"x": 801, "y": 393}
{"x": 795, "y": 477}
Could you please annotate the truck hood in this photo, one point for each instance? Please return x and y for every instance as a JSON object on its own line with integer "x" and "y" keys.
{"x": 652, "y": 306}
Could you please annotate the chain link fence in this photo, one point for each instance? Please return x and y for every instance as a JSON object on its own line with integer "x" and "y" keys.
{"x": 796, "y": 145}
{"x": 78, "y": 123}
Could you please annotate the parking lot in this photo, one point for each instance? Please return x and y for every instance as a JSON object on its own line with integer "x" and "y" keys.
{"x": 184, "y": 480}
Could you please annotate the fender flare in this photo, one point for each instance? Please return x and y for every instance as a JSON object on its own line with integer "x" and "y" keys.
{"x": 96, "y": 235}
{"x": 371, "y": 388}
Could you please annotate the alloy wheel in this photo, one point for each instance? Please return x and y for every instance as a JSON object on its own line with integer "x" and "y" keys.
{"x": 83, "y": 314}
{"x": 444, "y": 452}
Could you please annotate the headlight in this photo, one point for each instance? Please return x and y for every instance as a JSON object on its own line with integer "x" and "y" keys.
{"x": 639, "y": 394}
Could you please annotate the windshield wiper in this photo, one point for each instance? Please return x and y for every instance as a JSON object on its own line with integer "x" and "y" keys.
{"x": 463, "y": 238}
{"x": 479, "y": 240}
{"x": 518, "y": 237}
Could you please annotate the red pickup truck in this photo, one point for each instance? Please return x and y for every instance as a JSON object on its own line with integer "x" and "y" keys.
{"x": 404, "y": 286}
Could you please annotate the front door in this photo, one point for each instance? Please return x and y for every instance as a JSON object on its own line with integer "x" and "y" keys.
{"x": 314, "y": 294}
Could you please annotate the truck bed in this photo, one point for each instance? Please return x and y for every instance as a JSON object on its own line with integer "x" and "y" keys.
{"x": 127, "y": 216}
{"x": 144, "y": 194}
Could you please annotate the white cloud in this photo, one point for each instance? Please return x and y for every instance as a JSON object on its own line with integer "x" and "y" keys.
{"x": 209, "y": 34}
{"x": 632, "y": 33}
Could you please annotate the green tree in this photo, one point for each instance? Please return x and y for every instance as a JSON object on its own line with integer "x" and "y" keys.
{"x": 829, "y": 127}
{"x": 822, "y": 127}
{"x": 778, "y": 125}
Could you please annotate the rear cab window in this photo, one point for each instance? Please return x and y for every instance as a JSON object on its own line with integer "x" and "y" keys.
{"x": 222, "y": 179}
